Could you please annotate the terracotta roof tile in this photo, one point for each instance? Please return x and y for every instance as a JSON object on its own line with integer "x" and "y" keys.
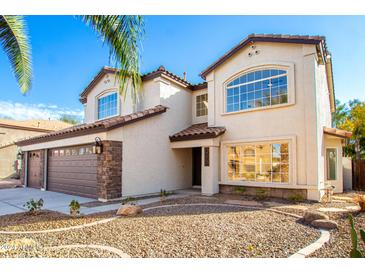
{"x": 337, "y": 132}
{"x": 99, "y": 126}
{"x": 150, "y": 75}
{"x": 197, "y": 131}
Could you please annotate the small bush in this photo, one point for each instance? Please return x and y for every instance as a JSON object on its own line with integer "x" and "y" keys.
{"x": 128, "y": 200}
{"x": 34, "y": 206}
{"x": 239, "y": 189}
{"x": 74, "y": 208}
{"x": 360, "y": 199}
{"x": 296, "y": 197}
{"x": 261, "y": 193}
{"x": 165, "y": 193}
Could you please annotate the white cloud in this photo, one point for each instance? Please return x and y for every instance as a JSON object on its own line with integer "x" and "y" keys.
{"x": 19, "y": 111}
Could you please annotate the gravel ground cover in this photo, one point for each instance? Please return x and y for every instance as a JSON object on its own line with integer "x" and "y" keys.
{"x": 46, "y": 220}
{"x": 186, "y": 231}
{"x": 340, "y": 243}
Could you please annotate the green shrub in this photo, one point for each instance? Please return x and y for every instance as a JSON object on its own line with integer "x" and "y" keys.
{"x": 165, "y": 193}
{"x": 74, "y": 208}
{"x": 239, "y": 189}
{"x": 261, "y": 193}
{"x": 296, "y": 197}
{"x": 34, "y": 206}
{"x": 356, "y": 252}
{"x": 128, "y": 200}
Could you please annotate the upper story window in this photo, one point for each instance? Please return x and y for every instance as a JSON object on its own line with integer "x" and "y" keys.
{"x": 202, "y": 105}
{"x": 108, "y": 105}
{"x": 261, "y": 88}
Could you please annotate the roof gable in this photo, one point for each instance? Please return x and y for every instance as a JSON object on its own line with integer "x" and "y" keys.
{"x": 296, "y": 39}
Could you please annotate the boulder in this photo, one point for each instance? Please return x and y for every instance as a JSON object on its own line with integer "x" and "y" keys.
{"x": 310, "y": 216}
{"x": 129, "y": 210}
{"x": 324, "y": 224}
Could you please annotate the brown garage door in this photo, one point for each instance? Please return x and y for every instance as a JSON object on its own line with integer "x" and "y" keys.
{"x": 72, "y": 170}
{"x": 34, "y": 169}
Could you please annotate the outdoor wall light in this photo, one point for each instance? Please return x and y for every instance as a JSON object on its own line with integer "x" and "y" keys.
{"x": 98, "y": 146}
{"x": 20, "y": 154}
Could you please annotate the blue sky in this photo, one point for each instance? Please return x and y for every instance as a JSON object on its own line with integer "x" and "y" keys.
{"x": 67, "y": 54}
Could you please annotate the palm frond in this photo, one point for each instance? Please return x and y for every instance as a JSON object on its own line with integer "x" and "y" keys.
{"x": 14, "y": 40}
{"x": 123, "y": 35}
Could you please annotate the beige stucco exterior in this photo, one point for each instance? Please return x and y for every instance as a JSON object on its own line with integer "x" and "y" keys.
{"x": 151, "y": 162}
{"x": 9, "y": 151}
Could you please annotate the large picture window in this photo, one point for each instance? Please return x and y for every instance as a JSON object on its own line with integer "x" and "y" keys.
{"x": 261, "y": 88}
{"x": 108, "y": 106}
{"x": 267, "y": 162}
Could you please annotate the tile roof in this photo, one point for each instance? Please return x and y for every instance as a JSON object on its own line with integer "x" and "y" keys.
{"x": 160, "y": 71}
{"x": 337, "y": 132}
{"x": 99, "y": 126}
{"x": 197, "y": 131}
{"x": 280, "y": 38}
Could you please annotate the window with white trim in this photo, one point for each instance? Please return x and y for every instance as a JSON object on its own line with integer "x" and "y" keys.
{"x": 108, "y": 105}
{"x": 331, "y": 155}
{"x": 261, "y": 88}
{"x": 202, "y": 105}
{"x": 266, "y": 162}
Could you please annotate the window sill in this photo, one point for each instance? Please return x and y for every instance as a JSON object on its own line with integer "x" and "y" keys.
{"x": 258, "y": 109}
{"x": 98, "y": 120}
{"x": 259, "y": 184}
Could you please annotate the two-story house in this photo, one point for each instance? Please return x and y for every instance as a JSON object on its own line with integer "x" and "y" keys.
{"x": 261, "y": 121}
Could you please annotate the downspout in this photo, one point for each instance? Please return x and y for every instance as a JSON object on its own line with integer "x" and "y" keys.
{"x": 330, "y": 83}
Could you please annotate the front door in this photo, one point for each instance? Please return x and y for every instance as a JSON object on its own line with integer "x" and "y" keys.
{"x": 34, "y": 169}
{"x": 197, "y": 166}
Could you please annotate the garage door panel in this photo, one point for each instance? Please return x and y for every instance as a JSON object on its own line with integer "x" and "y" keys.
{"x": 78, "y": 163}
{"x": 72, "y": 174}
{"x": 54, "y": 177}
{"x": 72, "y": 169}
{"x": 78, "y": 191}
{"x": 65, "y": 184}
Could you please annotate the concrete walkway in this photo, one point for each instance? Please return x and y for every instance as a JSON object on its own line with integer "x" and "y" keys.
{"x": 12, "y": 200}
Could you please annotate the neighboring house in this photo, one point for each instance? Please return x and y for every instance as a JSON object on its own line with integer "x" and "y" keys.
{"x": 261, "y": 121}
{"x": 11, "y": 131}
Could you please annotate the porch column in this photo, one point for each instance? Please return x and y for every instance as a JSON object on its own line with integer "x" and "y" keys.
{"x": 210, "y": 162}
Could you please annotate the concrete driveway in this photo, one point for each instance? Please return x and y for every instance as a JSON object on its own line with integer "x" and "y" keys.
{"x": 12, "y": 200}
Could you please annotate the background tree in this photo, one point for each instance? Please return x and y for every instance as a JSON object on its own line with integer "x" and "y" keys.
{"x": 71, "y": 119}
{"x": 122, "y": 34}
{"x": 352, "y": 118}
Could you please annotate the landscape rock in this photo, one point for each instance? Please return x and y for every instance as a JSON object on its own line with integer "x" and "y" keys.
{"x": 310, "y": 216}
{"x": 129, "y": 210}
{"x": 325, "y": 224}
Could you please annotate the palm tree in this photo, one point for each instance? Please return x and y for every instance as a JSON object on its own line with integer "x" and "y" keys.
{"x": 121, "y": 33}
{"x": 14, "y": 39}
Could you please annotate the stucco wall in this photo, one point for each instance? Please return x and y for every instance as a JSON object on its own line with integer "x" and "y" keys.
{"x": 323, "y": 111}
{"x": 8, "y": 156}
{"x": 8, "y": 153}
{"x": 296, "y": 121}
{"x": 107, "y": 84}
{"x": 149, "y": 164}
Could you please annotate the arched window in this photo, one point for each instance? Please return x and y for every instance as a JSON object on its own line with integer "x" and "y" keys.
{"x": 108, "y": 105}
{"x": 261, "y": 88}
